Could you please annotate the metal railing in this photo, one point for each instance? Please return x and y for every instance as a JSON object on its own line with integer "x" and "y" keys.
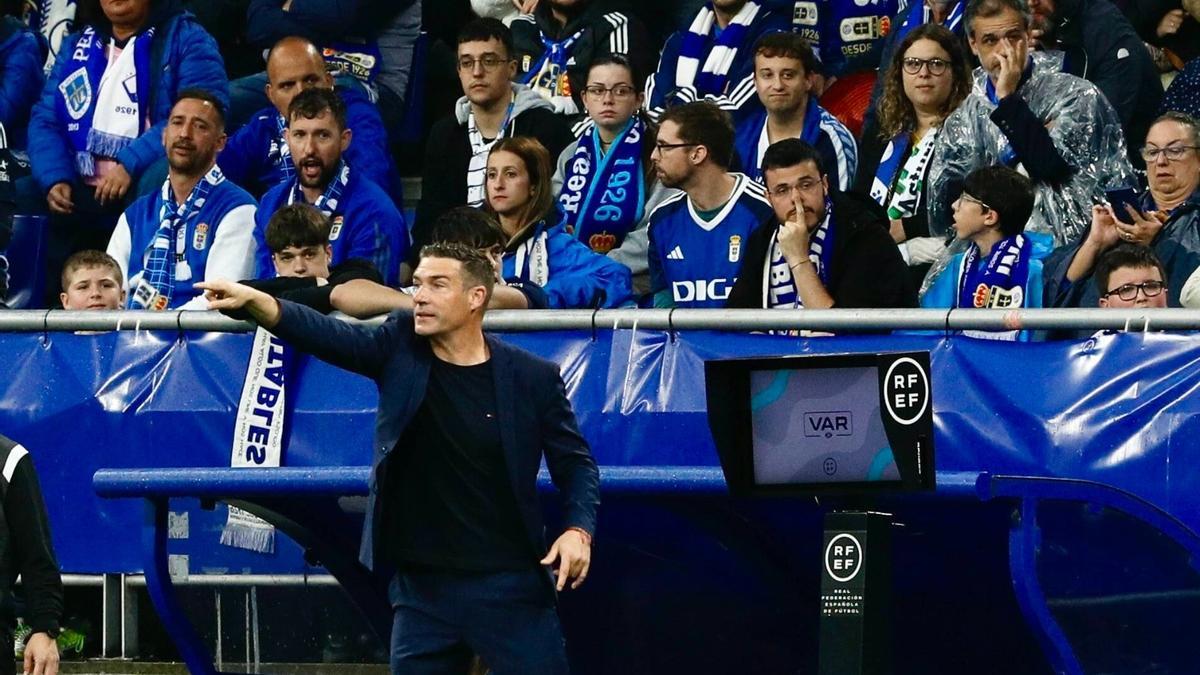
{"x": 829, "y": 320}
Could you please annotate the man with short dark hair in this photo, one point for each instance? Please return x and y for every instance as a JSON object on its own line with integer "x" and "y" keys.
{"x": 556, "y": 44}
{"x": 1130, "y": 276}
{"x": 198, "y": 226}
{"x": 256, "y": 156}
{"x": 823, "y": 248}
{"x": 998, "y": 270}
{"x": 1024, "y": 113}
{"x": 492, "y": 107}
{"x": 697, "y": 238}
{"x": 713, "y": 58}
{"x": 464, "y": 423}
{"x": 783, "y": 68}
{"x": 366, "y": 224}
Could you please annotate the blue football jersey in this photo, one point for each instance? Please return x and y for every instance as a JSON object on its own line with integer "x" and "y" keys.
{"x": 698, "y": 260}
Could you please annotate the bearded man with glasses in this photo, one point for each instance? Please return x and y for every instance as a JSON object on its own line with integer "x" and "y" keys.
{"x": 1167, "y": 219}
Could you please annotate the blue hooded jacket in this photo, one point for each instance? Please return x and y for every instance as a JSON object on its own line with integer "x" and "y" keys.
{"x": 366, "y": 225}
{"x": 183, "y": 56}
{"x": 250, "y": 155}
{"x": 21, "y": 59}
{"x": 575, "y": 276}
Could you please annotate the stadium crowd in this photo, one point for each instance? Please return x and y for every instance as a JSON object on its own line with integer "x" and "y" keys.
{"x": 941, "y": 153}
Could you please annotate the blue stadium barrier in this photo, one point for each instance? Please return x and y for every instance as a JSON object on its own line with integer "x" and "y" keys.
{"x": 703, "y": 582}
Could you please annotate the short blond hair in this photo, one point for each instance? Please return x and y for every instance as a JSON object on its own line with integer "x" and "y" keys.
{"x": 87, "y": 259}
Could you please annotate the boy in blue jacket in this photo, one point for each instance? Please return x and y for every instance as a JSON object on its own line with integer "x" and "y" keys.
{"x": 366, "y": 224}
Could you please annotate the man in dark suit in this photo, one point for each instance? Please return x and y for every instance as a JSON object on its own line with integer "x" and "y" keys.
{"x": 463, "y": 422}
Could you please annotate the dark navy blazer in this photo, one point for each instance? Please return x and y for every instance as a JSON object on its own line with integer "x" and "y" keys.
{"x": 534, "y": 413}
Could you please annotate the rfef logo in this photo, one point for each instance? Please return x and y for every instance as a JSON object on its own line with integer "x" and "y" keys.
{"x": 906, "y": 391}
{"x": 843, "y": 557}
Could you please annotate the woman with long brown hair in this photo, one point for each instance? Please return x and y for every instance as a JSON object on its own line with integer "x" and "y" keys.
{"x": 538, "y": 249}
{"x": 927, "y": 79}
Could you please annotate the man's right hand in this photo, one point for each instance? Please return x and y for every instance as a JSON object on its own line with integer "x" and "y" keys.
{"x": 59, "y": 199}
{"x": 231, "y": 297}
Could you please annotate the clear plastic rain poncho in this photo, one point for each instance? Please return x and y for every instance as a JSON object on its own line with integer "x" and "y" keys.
{"x": 1083, "y": 126}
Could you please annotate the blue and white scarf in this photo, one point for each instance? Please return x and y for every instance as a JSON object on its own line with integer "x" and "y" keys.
{"x": 900, "y": 178}
{"x": 604, "y": 195}
{"x": 164, "y": 257}
{"x": 102, "y": 105}
{"x": 779, "y": 286}
{"x": 713, "y": 77}
{"x": 531, "y": 258}
{"x": 547, "y": 74}
{"x": 331, "y": 198}
{"x": 920, "y": 14}
{"x": 280, "y": 154}
{"x": 999, "y": 284}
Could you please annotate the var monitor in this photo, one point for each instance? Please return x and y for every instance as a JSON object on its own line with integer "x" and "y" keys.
{"x": 847, "y": 423}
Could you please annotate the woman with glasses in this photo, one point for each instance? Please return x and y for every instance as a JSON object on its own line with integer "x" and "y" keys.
{"x": 927, "y": 79}
{"x": 605, "y": 181}
{"x": 1166, "y": 218}
{"x": 538, "y": 249}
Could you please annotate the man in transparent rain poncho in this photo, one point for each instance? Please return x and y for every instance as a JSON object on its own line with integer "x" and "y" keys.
{"x": 1026, "y": 114}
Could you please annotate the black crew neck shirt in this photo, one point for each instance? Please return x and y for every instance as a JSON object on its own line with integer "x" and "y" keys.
{"x": 449, "y": 500}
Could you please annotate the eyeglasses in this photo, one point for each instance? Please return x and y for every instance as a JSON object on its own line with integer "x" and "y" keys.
{"x": 913, "y": 65}
{"x": 618, "y": 91}
{"x": 1173, "y": 153}
{"x": 1128, "y": 292}
{"x": 969, "y": 198}
{"x": 490, "y": 62}
{"x": 663, "y": 147}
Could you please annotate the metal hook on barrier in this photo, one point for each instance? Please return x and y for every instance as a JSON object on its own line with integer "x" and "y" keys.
{"x": 671, "y": 323}
{"x": 46, "y": 327}
{"x": 595, "y": 311}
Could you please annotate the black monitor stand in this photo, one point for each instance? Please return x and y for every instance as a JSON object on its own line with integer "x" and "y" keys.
{"x": 855, "y": 623}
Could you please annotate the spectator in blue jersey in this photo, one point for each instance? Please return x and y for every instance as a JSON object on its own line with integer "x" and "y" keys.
{"x": 464, "y": 225}
{"x": 927, "y": 79}
{"x": 823, "y": 248}
{"x": 298, "y": 238}
{"x": 783, "y": 66}
{"x": 605, "y": 182}
{"x": 1130, "y": 276}
{"x": 1100, "y": 45}
{"x": 698, "y": 238}
{"x": 537, "y": 249}
{"x": 368, "y": 45}
{"x": 998, "y": 269}
{"x": 92, "y": 136}
{"x": 21, "y": 78}
{"x": 492, "y": 107}
{"x": 1166, "y": 218}
{"x": 559, "y": 41}
{"x": 197, "y": 227}
{"x": 366, "y": 224}
{"x": 1024, "y": 112}
{"x": 256, "y": 156}
{"x": 713, "y": 59}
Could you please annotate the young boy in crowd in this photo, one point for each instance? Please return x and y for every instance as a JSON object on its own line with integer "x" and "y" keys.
{"x": 92, "y": 279}
{"x": 1130, "y": 276}
{"x": 997, "y": 270}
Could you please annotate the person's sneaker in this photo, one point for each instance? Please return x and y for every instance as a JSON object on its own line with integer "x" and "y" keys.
{"x": 70, "y": 640}
{"x": 19, "y": 636}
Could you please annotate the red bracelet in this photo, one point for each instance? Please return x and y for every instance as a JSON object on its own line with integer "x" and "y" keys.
{"x": 587, "y": 536}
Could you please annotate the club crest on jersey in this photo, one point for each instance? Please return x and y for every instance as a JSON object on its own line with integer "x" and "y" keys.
{"x": 200, "y": 238}
{"x": 336, "y": 229}
{"x": 735, "y": 248}
{"x": 77, "y": 93}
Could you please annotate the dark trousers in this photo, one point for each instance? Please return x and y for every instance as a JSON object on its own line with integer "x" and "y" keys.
{"x": 508, "y": 618}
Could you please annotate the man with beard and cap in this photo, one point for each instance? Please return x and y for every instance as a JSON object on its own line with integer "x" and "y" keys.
{"x": 199, "y": 226}
{"x": 365, "y": 222}
{"x": 1100, "y": 45}
{"x": 1024, "y": 113}
{"x": 822, "y": 248}
{"x": 256, "y": 156}
{"x": 556, "y": 45}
